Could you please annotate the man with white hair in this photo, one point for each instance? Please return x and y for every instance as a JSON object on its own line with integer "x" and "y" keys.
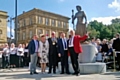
{"x": 53, "y": 53}
{"x": 74, "y": 49}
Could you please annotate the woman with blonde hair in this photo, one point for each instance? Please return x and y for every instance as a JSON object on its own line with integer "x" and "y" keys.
{"x": 13, "y": 51}
{"x": 43, "y": 52}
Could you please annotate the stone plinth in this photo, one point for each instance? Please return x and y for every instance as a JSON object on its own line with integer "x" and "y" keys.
{"x": 88, "y": 55}
{"x": 91, "y": 68}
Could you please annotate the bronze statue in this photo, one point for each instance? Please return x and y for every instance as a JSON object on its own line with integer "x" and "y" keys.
{"x": 80, "y": 26}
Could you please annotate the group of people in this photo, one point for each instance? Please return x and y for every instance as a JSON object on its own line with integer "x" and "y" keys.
{"x": 106, "y": 49}
{"x": 13, "y": 57}
{"x": 49, "y": 50}
{"x": 46, "y": 52}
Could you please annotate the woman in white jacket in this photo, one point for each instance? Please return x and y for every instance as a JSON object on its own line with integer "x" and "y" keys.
{"x": 43, "y": 52}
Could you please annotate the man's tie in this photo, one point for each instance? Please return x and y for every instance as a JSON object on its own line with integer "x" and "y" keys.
{"x": 65, "y": 43}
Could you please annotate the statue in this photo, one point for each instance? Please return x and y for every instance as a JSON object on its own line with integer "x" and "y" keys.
{"x": 80, "y": 26}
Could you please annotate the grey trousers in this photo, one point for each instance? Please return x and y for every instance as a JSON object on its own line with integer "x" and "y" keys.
{"x": 33, "y": 58}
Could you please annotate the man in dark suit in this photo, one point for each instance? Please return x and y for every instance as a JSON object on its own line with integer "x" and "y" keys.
{"x": 33, "y": 51}
{"x": 74, "y": 49}
{"x": 53, "y": 53}
{"x": 63, "y": 53}
{"x": 116, "y": 46}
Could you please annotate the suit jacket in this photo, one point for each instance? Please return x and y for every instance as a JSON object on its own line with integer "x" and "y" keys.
{"x": 53, "y": 49}
{"x": 31, "y": 46}
{"x": 61, "y": 47}
{"x": 116, "y": 44}
{"x": 76, "y": 43}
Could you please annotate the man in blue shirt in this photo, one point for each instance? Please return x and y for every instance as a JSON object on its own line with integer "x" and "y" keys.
{"x": 33, "y": 51}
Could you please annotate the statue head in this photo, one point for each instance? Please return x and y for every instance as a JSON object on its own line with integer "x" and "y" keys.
{"x": 78, "y": 8}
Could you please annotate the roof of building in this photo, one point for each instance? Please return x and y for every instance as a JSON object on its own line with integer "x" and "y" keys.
{"x": 45, "y": 12}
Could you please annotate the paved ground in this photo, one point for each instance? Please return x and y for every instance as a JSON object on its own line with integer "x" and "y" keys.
{"x": 23, "y": 74}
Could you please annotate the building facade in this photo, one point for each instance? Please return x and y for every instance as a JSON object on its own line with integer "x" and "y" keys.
{"x": 37, "y": 21}
{"x": 3, "y": 27}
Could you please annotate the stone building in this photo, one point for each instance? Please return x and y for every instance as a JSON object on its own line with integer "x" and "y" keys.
{"x": 3, "y": 27}
{"x": 37, "y": 21}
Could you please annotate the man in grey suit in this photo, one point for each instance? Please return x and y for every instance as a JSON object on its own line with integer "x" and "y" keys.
{"x": 33, "y": 51}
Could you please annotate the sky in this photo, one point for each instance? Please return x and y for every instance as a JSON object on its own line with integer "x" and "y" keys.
{"x": 100, "y": 10}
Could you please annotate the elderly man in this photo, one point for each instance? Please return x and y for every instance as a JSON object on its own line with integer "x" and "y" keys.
{"x": 63, "y": 53}
{"x": 74, "y": 49}
{"x": 53, "y": 52}
{"x": 33, "y": 50}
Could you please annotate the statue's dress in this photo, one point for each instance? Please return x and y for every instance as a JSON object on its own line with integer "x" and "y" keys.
{"x": 80, "y": 26}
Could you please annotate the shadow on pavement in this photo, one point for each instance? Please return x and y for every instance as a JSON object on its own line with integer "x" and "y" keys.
{"x": 27, "y": 76}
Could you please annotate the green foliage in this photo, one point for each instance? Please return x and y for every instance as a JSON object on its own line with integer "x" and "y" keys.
{"x": 99, "y": 30}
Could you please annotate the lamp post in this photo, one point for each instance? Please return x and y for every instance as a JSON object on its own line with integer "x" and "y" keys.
{"x": 10, "y": 20}
{"x": 16, "y": 21}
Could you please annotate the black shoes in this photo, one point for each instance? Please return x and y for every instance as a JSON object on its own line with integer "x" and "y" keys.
{"x": 54, "y": 72}
{"x": 62, "y": 73}
{"x": 35, "y": 73}
{"x": 32, "y": 73}
{"x": 77, "y": 74}
{"x": 49, "y": 72}
{"x": 67, "y": 72}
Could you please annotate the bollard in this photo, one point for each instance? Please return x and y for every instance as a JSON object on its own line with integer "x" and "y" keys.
{"x": 114, "y": 64}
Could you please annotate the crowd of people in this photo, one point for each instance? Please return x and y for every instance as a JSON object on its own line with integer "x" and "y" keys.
{"x": 14, "y": 57}
{"x": 50, "y": 51}
{"x": 107, "y": 50}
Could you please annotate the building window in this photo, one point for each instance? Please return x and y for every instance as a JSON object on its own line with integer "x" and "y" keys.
{"x": 47, "y": 21}
{"x": 31, "y": 34}
{"x": 24, "y": 22}
{"x": 40, "y": 31}
{"x": 47, "y": 32}
{"x": 59, "y": 24}
{"x": 23, "y": 36}
{"x": 30, "y": 20}
{"x": 40, "y": 20}
{"x": 64, "y": 24}
{"x": 53, "y": 23}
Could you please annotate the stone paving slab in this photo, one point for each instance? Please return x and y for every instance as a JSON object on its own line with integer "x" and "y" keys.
{"x": 23, "y": 74}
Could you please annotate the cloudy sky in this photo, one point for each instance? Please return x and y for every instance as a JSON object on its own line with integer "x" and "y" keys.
{"x": 100, "y": 10}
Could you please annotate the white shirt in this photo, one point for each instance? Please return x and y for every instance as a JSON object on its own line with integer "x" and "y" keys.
{"x": 26, "y": 50}
{"x": 36, "y": 45}
{"x": 6, "y": 51}
{"x": 13, "y": 50}
{"x": 20, "y": 54}
{"x": 71, "y": 42}
{"x": 64, "y": 43}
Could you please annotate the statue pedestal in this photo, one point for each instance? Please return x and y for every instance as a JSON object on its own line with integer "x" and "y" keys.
{"x": 87, "y": 61}
{"x": 88, "y": 55}
{"x": 88, "y": 68}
